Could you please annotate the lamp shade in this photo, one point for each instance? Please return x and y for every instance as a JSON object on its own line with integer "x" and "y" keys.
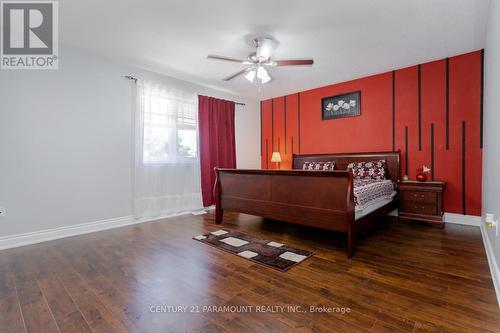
{"x": 276, "y": 157}
{"x": 263, "y": 75}
{"x": 250, "y": 76}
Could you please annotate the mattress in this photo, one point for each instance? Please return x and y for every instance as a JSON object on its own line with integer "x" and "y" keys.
{"x": 376, "y": 204}
{"x": 371, "y": 194}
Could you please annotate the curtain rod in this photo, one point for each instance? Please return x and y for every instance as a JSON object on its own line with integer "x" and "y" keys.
{"x": 132, "y": 78}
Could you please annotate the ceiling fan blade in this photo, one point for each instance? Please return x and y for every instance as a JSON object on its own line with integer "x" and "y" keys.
{"x": 237, "y": 74}
{"x": 216, "y": 57}
{"x": 291, "y": 62}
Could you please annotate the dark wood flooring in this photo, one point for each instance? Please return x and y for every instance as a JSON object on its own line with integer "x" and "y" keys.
{"x": 405, "y": 277}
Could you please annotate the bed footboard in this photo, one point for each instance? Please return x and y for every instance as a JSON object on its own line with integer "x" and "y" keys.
{"x": 322, "y": 199}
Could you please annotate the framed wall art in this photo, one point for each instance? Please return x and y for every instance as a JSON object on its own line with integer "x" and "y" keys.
{"x": 341, "y": 106}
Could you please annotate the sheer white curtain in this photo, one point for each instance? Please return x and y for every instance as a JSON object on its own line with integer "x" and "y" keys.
{"x": 167, "y": 167}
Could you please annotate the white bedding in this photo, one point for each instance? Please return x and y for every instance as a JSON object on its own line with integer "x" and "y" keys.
{"x": 371, "y": 207}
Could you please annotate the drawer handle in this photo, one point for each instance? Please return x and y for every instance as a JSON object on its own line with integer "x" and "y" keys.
{"x": 421, "y": 195}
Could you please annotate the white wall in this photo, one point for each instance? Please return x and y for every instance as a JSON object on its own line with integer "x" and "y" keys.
{"x": 247, "y": 129}
{"x": 65, "y": 141}
{"x": 491, "y": 152}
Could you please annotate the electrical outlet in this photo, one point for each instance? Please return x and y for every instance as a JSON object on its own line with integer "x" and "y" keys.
{"x": 491, "y": 222}
{"x": 3, "y": 212}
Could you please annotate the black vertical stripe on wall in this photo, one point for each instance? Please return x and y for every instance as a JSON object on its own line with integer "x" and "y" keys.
{"x": 298, "y": 119}
{"x": 432, "y": 152}
{"x": 447, "y": 103}
{"x": 285, "y": 122}
{"x": 261, "y": 129}
{"x": 393, "y": 110}
{"x": 406, "y": 150}
{"x": 419, "y": 107}
{"x": 464, "y": 208}
{"x": 292, "y": 145}
{"x": 279, "y": 145}
{"x": 482, "y": 96}
{"x": 267, "y": 154}
{"x": 272, "y": 124}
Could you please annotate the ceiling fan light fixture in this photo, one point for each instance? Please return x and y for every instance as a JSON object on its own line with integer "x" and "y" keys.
{"x": 259, "y": 61}
{"x": 251, "y": 75}
{"x": 263, "y": 75}
{"x": 265, "y": 79}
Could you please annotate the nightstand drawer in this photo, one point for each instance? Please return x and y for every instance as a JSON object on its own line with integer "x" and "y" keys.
{"x": 419, "y": 208}
{"x": 419, "y": 196}
{"x": 422, "y": 201}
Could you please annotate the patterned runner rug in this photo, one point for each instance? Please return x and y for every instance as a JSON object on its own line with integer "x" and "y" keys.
{"x": 272, "y": 254}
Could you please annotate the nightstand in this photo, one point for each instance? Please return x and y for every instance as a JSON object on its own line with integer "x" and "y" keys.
{"x": 422, "y": 201}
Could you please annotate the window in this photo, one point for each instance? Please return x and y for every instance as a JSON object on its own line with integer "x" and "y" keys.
{"x": 166, "y": 160}
{"x": 170, "y": 127}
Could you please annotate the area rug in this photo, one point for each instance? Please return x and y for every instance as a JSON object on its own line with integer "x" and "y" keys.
{"x": 266, "y": 252}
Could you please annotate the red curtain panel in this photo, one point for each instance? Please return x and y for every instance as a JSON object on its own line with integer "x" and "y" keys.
{"x": 217, "y": 142}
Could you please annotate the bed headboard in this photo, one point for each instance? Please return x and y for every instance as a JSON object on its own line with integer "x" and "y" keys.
{"x": 342, "y": 160}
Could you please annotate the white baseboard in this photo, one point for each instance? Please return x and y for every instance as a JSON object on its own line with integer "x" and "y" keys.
{"x": 454, "y": 218}
{"x": 492, "y": 262}
{"x": 8, "y": 242}
{"x": 462, "y": 219}
{"x": 395, "y": 212}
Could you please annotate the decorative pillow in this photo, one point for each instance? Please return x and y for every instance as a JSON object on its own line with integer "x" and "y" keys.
{"x": 368, "y": 170}
{"x": 319, "y": 166}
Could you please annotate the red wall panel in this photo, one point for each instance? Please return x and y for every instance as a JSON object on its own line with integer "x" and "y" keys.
{"x": 433, "y": 94}
{"x": 292, "y": 130}
{"x": 432, "y": 102}
{"x": 465, "y": 92}
{"x": 279, "y": 127}
{"x": 267, "y": 133}
{"x": 406, "y": 118}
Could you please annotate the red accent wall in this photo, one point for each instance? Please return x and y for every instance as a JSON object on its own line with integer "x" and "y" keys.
{"x": 447, "y": 93}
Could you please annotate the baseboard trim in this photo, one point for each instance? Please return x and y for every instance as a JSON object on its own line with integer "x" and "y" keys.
{"x": 452, "y": 218}
{"x": 492, "y": 262}
{"x": 462, "y": 219}
{"x": 12, "y": 241}
{"x": 8, "y": 242}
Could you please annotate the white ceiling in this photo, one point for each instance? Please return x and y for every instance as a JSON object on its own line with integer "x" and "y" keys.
{"x": 347, "y": 38}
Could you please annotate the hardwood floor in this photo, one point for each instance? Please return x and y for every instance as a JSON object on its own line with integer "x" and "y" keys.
{"x": 405, "y": 277}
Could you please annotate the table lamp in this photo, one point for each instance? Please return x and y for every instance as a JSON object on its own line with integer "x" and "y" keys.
{"x": 276, "y": 158}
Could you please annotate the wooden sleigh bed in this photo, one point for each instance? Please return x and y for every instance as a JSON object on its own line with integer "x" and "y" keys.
{"x": 322, "y": 199}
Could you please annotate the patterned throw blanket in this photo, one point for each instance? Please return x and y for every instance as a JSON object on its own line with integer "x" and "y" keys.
{"x": 368, "y": 191}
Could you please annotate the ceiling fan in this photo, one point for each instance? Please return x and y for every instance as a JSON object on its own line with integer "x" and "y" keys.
{"x": 259, "y": 60}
